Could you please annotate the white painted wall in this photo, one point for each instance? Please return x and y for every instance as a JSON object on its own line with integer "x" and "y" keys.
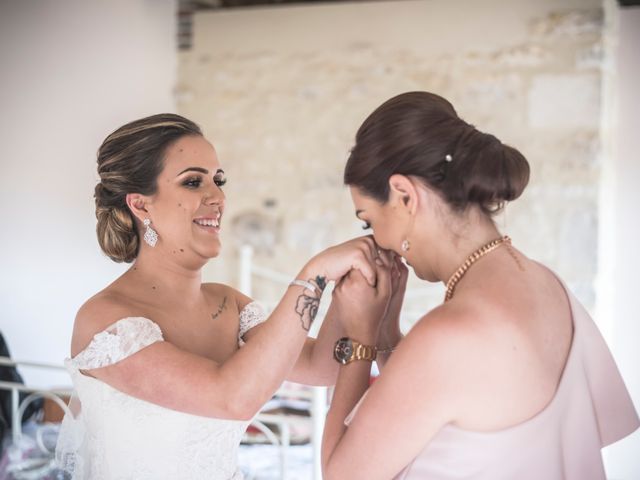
{"x": 71, "y": 72}
{"x": 620, "y": 227}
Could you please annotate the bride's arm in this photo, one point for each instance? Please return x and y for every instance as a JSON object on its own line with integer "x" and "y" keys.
{"x": 315, "y": 364}
{"x": 168, "y": 376}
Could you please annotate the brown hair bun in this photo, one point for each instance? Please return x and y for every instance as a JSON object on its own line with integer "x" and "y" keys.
{"x": 420, "y": 134}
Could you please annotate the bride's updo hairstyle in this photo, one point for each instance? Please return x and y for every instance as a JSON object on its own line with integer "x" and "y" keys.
{"x": 420, "y": 134}
{"x": 129, "y": 161}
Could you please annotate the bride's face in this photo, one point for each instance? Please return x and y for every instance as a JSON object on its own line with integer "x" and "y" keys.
{"x": 188, "y": 205}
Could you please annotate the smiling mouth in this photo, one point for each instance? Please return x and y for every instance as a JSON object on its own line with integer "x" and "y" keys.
{"x": 209, "y": 224}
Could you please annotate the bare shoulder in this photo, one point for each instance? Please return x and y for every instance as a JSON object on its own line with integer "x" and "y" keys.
{"x": 222, "y": 291}
{"x": 447, "y": 347}
{"x": 97, "y": 314}
{"x": 432, "y": 364}
{"x": 446, "y": 331}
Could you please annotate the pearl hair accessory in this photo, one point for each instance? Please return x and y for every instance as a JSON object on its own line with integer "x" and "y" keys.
{"x": 448, "y": 157}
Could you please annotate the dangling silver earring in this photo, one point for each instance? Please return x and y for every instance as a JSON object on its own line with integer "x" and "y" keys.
{"x": 405, "y": 245}
{"x": 150, "y": 235}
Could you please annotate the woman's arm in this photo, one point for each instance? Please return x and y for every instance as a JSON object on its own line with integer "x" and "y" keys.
{"x": 401, "y": 412}
{"x": 389, "y": 334}
{"x": 168, "y": 376}
{"x": 316, "y": 365}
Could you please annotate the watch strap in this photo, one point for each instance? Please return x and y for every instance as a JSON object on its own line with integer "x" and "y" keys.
{"x": 358, "y": 351}
{"x": 363, "y": 352}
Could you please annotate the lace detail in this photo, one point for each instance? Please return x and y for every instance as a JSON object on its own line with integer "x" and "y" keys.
{"x": 70, "y": 440}
{"x": 117, "y": 342}
{"x": 252, "y": 315}
{"x": 116, "y": 436}
{"x": 113, "y": 435}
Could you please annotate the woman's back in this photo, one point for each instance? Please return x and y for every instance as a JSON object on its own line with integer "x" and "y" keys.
{"x": 517, "y": 338}
{"x": 589, "y": 409}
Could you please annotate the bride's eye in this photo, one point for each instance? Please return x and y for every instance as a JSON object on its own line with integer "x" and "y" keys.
{"x": 192, "y": 182}
{"x": 366, "y": 226}
{"x": 220, "y": 181}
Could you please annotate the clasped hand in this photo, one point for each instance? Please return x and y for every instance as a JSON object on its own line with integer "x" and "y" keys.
{"x": 371, "y": 313}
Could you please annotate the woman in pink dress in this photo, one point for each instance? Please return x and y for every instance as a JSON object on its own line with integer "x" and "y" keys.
{"x": 509, "y": 377}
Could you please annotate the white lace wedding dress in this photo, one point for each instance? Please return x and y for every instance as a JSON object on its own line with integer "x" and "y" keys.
{"x": 115, "y": 436}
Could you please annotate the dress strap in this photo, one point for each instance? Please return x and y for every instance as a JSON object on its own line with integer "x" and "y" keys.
{"x": 252, "y": 315}
{"x": 117, "y": 342}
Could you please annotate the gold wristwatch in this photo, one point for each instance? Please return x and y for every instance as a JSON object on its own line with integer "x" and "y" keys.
{"x": 347, "y": 350}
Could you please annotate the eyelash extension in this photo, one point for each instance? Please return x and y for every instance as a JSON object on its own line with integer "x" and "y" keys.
{"x": 366, "y": 226}
{"x": 220, "y": 182}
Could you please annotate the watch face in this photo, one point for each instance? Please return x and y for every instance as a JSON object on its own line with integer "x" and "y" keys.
{"x": 343, "y": 350}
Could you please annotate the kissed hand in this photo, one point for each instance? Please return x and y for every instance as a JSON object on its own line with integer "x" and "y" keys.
{"x": 360, "y": 306}
{"x": 335, "y": 262}
{"x": 389, "y": 333}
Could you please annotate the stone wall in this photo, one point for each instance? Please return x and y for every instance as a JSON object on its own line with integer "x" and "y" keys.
{"x": 282, "y": 91}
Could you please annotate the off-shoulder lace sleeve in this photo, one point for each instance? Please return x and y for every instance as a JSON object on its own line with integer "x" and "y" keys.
{"x": 118, "y": 341}
{"x": 251, "y": 315}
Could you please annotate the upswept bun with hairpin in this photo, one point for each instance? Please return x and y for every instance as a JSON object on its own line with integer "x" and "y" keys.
{"x": 485, "y": 172}
{"x": 420, "y": 134}
{"x": 129, "y": 161}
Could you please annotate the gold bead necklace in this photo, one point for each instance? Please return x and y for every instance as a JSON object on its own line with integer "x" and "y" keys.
{"x": 473, "y": 258}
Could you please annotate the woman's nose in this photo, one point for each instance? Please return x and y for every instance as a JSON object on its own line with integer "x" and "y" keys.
{"x": 215, "y": 196}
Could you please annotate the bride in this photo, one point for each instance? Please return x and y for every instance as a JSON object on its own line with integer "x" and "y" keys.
{"x": 163, "y": 388}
